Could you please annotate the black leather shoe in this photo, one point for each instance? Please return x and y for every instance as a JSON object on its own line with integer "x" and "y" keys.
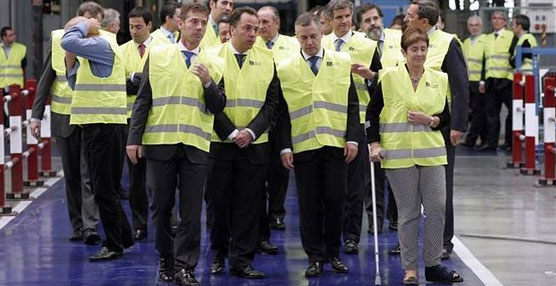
{"x": 265, "y": 246}
{"x": 91, "y": 237}
{"x": 166, "y": 269}
{"x": 393, "y": 225}
{"x": 105, "y": 254}
{"x": 351, "y": 247}
{"x": 338, "y": 265}
{"x": 186, "y": 278}
{"x": 277, "y": 223}
{"x": 445, "y": 254}
{"x": 77, "y": 235}
{"x": 217, "y": 266}
{"x": 247, "y": 272}
{"x": 396, "y": 250}
{"x": 315, "y": 269}
{"x": 140, "y": 234}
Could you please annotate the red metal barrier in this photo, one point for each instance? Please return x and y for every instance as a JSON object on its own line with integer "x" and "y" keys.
{"x": 549, "y": 177}
{"x": 16, "y": 144}
{"x": 517, "y": 122}
{"x": 531, "y": 128}
{"x": 4, "y": 209}
{"x": 32, "y": 152}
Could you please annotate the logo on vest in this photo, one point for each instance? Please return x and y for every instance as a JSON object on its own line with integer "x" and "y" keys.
{"x": 332, "y": 64}
{"x": 254, "y": 63}
{"x": 352, "y": 49}
{"x": 282, "y": 48}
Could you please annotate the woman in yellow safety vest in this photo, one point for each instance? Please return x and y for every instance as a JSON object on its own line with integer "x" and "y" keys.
{"x": 406, "y": 113}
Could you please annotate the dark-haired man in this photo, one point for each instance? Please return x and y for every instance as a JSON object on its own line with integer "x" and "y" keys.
{"x": 520, "y": 27}
{"x": 239, "y": 147}
{"x": 218, "y": 9}
{"x": 169, "y": 23}
{"x": 135, "y": 56}
{"x": 172, "y": 121}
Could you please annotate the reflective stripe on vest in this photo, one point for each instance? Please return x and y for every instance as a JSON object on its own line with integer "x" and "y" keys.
{"x": 61, "y": 93}
{"x": 245, "y": 88}
{"x": 317, "y": 105}
{"x": 178, "y": 113}
{"x": 361, "y": 51}
{"x": 100, "y": 100}
{"x": 407, "y": 145}
{"x": 11, "y": 71}
{"x": 474, "y": 52}
{"x": 498, "y": 55}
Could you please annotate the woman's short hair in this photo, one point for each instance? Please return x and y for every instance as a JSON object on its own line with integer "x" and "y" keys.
{"x": 413, "y": 35}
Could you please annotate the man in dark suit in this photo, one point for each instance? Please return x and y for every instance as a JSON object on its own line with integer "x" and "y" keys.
{"x": 318, "y": 125}
{"x": 445, "y": 54}
{"x": 83, "y": 211}
{"x": 239, "y": 148}
{"x": 172, "y": 118}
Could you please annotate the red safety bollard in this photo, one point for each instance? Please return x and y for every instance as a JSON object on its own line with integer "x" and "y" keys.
{"x": 32, "y": 143}
{"x": 531, "y": 128}
{"x": 46, "y": 144}
{"x": 4, "y": 209}
{"x": 517, "y": 122}
{"x": 16, "y": 144}
{"x": 549, "y": 177}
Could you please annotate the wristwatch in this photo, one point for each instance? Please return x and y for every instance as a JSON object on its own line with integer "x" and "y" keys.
{"x": 431, "y": 121}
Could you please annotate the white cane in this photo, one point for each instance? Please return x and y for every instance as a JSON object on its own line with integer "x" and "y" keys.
{"x": 375, "y": 231}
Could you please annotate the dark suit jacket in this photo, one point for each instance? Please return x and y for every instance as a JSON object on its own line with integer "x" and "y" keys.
{"x": 59, "y": 122}
{"x": 353, "y": 125}
{"x": 454, "y": 65}
{"x": 223, "y": 126}
{"x": 215, "y": 102}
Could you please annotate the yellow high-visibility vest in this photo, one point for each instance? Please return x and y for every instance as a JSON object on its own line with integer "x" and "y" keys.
{"x": 361, "y": 50}
{"x": 210, "y": 39}
{"x": 498, "y": 55}
{"x": 408, "y": 145}
{"x": 474, "y": 54}
{"x": 100, "y": 100}
{"x": 318, "y": 105}
{"x": 178, "y": 113}
{"x": 284, "y": 47}
{"x": 60, "y": 92}
{"x": 159, "y": 36}
{"x": 439, "y": 43}
{"x": 245, "y": 88}
{"x": 134, "y": 64}
{"x": 391, "y": 48}
{"x": 10, "y": 66}
{"x": 526, "y": 64}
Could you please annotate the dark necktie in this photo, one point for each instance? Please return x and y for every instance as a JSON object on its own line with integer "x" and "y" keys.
{"x": 240, "y": 58}
{"x": 270, "y": 44}
{"x": 313, "y": 60}
{"x": 141, "y": 49}
{"x": 188, "y": 55}
{"x": 380, "y": 46}
{"x": 215, "y": 28}
{"x": 339, "y": 43}
{"x": 495, "y": 35}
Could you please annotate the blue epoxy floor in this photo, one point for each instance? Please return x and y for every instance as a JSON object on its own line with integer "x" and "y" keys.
{"x": 35, "y": 250}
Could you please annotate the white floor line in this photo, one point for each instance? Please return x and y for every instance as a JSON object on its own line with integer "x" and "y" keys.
{"x": 474, "y": 264}
{"x": 34, "y": 194}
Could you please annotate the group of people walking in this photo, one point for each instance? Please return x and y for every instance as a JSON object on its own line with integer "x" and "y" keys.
{"x": 217, "y": 105}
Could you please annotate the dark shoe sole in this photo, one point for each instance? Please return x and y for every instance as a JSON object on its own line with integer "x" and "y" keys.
{"x": 113, "y": 257}
{"x": 92, "y": 239}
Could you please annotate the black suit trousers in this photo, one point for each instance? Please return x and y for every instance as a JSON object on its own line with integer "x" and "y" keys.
{"x": 163, "y": 176}
{"x": 499, "y": 91}
{"x": 449, "y": 221}
{"x": 104, "y": 153}
{"x": 138, "y": 199}
{"x": 479, "y": 119}
{"x": 236, "y": 185}
{"x": 321, "y": 179}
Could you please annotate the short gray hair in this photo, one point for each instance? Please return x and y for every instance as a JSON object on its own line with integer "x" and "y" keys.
{"x": 501, "y": 13}
{"x": 338, "y": 5}
{"x": 427, "y": 10}
{"x": 306, "y": 19}
{"x": 110, "y": 16}
{"x": 475, "y": 17}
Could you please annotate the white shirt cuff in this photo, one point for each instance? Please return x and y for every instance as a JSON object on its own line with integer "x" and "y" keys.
{"x": 352, "y": 142}
{"x": 252, "y": 133}
{"x": 207, "y": 84}
{"x": 131, "y": 76}
{"x": 285, "y": 150}
{"x": 233, "y": 134}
